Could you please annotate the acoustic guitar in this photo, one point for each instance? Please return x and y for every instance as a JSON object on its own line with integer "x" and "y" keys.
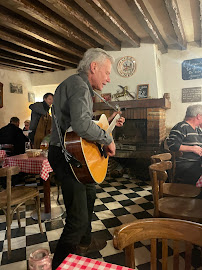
{"x": 91, "y": 155}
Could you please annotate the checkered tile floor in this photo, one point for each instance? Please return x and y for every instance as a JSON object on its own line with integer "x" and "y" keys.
{"x": 119, "y": 200}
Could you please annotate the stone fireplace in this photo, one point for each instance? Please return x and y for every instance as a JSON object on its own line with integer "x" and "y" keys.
{"x": 144, "y": 129}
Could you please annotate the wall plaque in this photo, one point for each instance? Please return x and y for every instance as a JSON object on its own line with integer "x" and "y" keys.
{"x": 192, "y": 69}
{"x": 191, "y": 94}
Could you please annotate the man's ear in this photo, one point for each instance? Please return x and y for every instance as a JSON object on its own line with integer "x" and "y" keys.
{"x": 93, "y": 66}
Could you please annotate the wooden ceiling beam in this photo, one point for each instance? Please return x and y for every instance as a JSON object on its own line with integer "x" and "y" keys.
{"x": 45, "y": 15}
{"x": 27, "y": 66}
{"x": 6, "y": 66}
{"x": 103, "y": 8}
{"x": 23, "y": 59}
{"x": 139, "y": 10}
{"x": 11, "y": 47}
{"x": 11, "y": 20}
{"x": 88, "y": 23}
{"x": 30, "y": 43}
{"x": 173, "y": 12}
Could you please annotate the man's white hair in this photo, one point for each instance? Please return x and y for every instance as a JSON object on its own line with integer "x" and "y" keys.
{"x": 193, "y": 110}
{"x": 93, "y": 55}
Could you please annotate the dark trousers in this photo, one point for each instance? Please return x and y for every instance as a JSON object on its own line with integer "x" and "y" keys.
{"x": 188, "y": 172}
{"x": 79, "y": 201}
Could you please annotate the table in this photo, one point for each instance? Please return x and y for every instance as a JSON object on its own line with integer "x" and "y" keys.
{"x": 2, "y": 155}
{"x": 75, "y": 262}
{"x": 37, "y": 165}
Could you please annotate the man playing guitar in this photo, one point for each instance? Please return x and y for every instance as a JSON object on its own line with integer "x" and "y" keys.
{"x": 73, "y": 106}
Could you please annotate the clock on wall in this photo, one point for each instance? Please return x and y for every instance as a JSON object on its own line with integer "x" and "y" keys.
{"x": 126, "y": 66}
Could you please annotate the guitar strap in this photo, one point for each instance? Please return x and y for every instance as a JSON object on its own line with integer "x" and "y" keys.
{"x": 116, "y": 108}
{"x": 68, "y": 157}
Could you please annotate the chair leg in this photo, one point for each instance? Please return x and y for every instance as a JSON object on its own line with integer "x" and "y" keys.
{"x": 18, "y": 217}
{"x": 39, "y": 212}
{"x": 8, "y": 223}
{"x": 58, "y": 194}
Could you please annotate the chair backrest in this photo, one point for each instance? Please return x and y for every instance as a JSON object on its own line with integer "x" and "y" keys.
{"x": 164, "y": 157}
{"x": 160, "y": 157}
{"x": 158, "y": 228}
{"x": 8, "y": 172}
{"x": 158, "y": 174}
{"x": 9, "y": 148}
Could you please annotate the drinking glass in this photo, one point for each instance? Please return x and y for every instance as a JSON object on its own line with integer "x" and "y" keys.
{"x": 40, "y": 260}
{"x": 27, "y": 146}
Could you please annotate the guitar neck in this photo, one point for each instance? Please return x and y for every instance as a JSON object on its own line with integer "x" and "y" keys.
{"x": 113, "y": 124}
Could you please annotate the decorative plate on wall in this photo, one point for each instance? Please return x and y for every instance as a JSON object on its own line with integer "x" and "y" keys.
{"x": 126, "y": 66}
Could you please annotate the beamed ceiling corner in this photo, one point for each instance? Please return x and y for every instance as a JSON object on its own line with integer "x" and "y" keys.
{"x": 50, "y": 35}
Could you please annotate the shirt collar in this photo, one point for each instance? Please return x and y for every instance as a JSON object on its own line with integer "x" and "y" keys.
{"x": 85, "y": 78}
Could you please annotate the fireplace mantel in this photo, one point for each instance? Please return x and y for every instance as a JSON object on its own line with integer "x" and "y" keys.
{"x": 163, "y": 103}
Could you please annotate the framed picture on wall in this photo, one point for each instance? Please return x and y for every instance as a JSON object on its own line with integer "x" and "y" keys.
{"x": 31, "y": 97}
{"x": 142, "y": 91}
{"x": 107, "y": 96}
{"x": 16, "y": 88}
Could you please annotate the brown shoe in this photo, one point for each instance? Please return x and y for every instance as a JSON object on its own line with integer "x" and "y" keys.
{"x": 95, "y": 245}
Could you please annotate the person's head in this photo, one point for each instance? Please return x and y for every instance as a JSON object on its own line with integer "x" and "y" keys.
{"x": 15, "y": 121}
{"x": 194, "y": 112}
{"x": 27, "y": 124}
{"x": 48, "y": 98}
{"x": 96, "y": 63}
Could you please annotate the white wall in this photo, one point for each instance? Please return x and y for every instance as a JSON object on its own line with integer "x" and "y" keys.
{"x": 161, "y": 71}
{"x": 145, "y": 72}
{"x": 15, "y": 104}
{"x": 173, "y": 83}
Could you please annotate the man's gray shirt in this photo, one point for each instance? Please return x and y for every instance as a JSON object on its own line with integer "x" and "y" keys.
{"x": 73, "y": 106}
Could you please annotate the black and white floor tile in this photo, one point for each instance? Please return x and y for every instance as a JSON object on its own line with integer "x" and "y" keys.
{"x": 119, "y": 201}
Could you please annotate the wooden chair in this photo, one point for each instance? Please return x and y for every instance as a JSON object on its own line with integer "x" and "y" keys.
{"x": 175, "y": 189}
{"x": 155, "y": 229}
{"x": 172, "y": 207}
{"x": 13, "y": 197}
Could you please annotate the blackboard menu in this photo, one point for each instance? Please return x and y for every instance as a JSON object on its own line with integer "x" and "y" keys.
{"x": 191, "y": 94}
{"x": 192, "y": 69}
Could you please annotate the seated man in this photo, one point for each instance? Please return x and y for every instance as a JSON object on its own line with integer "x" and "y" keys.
{"x": 185, "y": 137}
{"x": 12, "y": 134}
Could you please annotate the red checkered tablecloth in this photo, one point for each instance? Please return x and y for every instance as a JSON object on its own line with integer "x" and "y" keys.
{"x": 75, "y": 262}
{"x": 35, "y": 165}
{"x": 2, "y": 155}
{"x": 199, "y": 182}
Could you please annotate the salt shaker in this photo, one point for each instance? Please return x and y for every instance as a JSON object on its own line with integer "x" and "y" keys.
{"x": 40, "y": 260}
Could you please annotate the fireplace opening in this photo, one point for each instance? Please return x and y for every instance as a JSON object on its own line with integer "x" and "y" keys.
{"x": 133, "y": 132}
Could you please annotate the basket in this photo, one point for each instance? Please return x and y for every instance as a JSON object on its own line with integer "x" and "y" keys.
{"x": 33, "y": 152}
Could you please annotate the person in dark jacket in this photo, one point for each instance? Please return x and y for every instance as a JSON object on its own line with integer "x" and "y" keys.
{"x": 39, "y": 109}
{"x": 12, "y": 134}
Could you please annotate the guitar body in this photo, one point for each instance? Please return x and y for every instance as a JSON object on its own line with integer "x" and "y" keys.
{"x": 94, "y": 165}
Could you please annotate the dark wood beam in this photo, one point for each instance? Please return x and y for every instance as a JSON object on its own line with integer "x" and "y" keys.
{"x": 173, "y": 11}
{"x": 30, "y": 43}
{"x": 139, "y": 10}
{"x": 80, "y": 16}
{"x": 6, "y": 66}
{"x": 19, "y": 64}
{"x": 10, "y": 47}
{"x": 105, "y": 10}
{"x": 23, "y": 59}
{"x": 11, "y": 20}
{"x": 45, "y": 15}
{"x": 200, "y": 7}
